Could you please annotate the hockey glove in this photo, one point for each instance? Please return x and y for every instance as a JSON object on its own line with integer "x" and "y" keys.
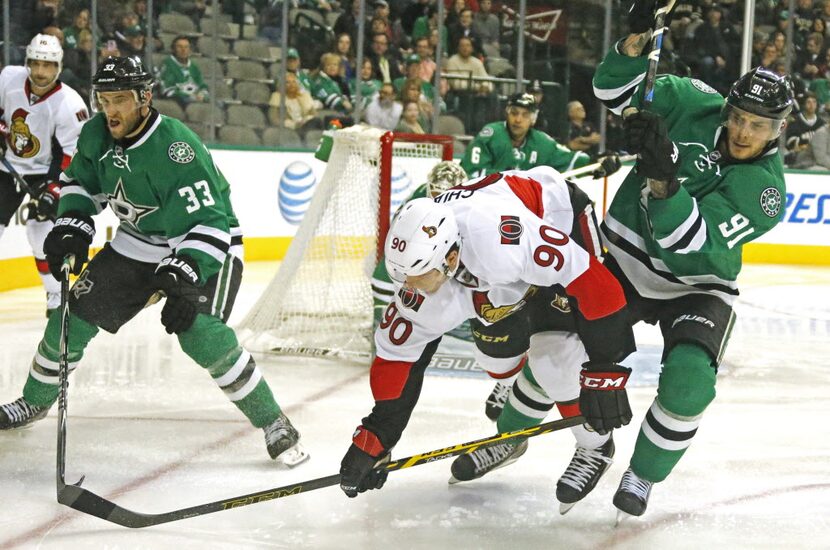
{"x": 641, "y": 16}
{"x": 603, "y": 400}
{"x": 72, "y": 234}
{"x": 359, "y": 468}
{"x": 178, "y": 277}
{"x": 646, "y": 135}
{"x": 609, "y": 163}
{"x": 47, "y": 201}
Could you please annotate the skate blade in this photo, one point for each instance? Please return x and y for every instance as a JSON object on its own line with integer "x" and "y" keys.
{"x": 293, "y": 456}
{"x": 453, "y": 480}
{"x": 565, "y": 507}
{"x": 621, "y": 517}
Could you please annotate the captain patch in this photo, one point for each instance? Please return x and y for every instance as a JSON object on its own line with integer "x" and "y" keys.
{"x": 703, "y": 87}
{"x": 181, "y": 152}
{"x": 771, "y": 201}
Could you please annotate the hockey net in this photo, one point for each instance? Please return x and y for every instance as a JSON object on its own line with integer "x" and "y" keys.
{"x": 320, "y": 301}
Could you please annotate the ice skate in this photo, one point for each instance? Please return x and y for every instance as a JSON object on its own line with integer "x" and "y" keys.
{"x": 481, "y": 461}
{"x": 631, "y": 497}
{"x": 283, "y": 442}
{"x": 495, "y": 402}
{"x": 20, "y": 413}
{"x": 582, "y": 474}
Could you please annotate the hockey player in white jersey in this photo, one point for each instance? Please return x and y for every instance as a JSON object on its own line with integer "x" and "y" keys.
{"x": 36, "y": 108}
{"x": 486, "y": 251}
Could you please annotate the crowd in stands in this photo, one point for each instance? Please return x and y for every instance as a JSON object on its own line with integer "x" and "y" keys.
{"x": 395, "y": 82}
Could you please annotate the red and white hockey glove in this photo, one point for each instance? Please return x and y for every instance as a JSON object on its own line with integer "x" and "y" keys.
{"x": 603, "y": 400}
{"x": 362, "y": 466}
{"x": 47, "y": 201}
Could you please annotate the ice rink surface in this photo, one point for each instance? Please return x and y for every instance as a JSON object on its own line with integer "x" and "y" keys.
{"x": 153, "y": 433}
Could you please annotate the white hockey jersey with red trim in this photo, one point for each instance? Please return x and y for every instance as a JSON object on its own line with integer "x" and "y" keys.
{"x": 514, "y": 232}
{"x": 33, "y": 122}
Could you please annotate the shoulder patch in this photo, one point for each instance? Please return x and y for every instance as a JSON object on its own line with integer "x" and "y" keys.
{"x": 703, "y": 87}
{"x": 487, "y": 131}
{"x": 510, "y": 229}
{"x": 181, "y": 152}
{"x": 771, "y": 201}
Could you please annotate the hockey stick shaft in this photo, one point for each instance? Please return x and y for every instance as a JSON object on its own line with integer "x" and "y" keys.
{"x": 63, "y": 372}
{"x": 90, "y": 503}
{"x": 663, "y": 8}
{"x": 18, "y": 179}
{"x": 589, "y": 168}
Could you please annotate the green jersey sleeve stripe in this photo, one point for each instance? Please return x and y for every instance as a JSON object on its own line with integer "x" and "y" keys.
{"x": 206, "y": 248}
{"x": 687, "y": 237}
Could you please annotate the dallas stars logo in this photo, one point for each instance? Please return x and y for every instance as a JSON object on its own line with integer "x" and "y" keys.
{"x": 127, "y": 211}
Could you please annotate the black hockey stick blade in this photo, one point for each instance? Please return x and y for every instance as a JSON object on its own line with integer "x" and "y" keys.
{"x": 88, "y": 502}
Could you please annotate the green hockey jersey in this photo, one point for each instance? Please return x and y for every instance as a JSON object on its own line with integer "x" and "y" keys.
{"x": 492, "y": 151}
{"x": 181, "y": 81}
{"x": 164, "y": 188}
{"x": 328, "y": 92}
{"x": 691, "y": 242}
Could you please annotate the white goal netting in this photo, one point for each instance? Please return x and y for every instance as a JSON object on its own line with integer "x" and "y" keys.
{"x": 320, "y": 301}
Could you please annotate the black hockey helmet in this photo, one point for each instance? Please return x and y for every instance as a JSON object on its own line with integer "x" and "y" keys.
{"x": 122, "y": 73}
{"x": 525, "y": 100}
{"x": 763, "y": 93}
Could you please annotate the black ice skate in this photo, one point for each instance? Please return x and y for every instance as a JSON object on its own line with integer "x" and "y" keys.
{"x": 582, "y": 474}
{"x": 495, "y": 402}
{"x": 283, "y": 442}
{"x": 632, "y": 495}
{"x": 20, "y": 413}
{"x": 481, "y": 461}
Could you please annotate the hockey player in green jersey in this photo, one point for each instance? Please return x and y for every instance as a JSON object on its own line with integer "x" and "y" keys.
{"x": 515, "y": 145}
{"x": 708, "y": 180}
{"x": 178, "y": 234}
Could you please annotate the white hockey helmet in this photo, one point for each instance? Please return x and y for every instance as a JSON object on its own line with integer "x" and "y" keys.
{"x": 444, "y": 175}
{"x": 45, "y": 47}
{"x": 419, "y": 239}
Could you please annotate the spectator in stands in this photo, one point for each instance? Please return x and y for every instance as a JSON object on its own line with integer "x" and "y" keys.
{"x": 409, "y": 123}
{"x": 453, "y": 9}
{"x": 810, "y": 58}
{"x": 800, "y": 132}
{"x": 394, "y": 30}
{"x": 581, "y": 134}
{"x": 426, "y": 68}
{"x": 300, "y": 109}
{"x": 434, "y": 37}
{"x": 343, "y": 47}
{"x": 824, "y": 13}
{"x": 803, "y": 17}
{"x": 464, "y": 65}
{"x": 710, "y": 49}
{"x": 379, "y": 25}
{"x": 464, "y": 28}
{"x": 369, "y": 85}
{"x": 413, "y": 70}
{"x": 769, "y": 56}
{"x": 383, "y": 111}
{"x": 77, "y": 70}
{"x": 415, "y": 10}
{"x": 328, "y": 86}
{"x": 412, "y": 91}
{"x": 486, "y": 27}
{"x": 759, "y": 42}
{"x": 347, "y": 22}
{"x": 820, "y": 146}
{"x": 542, "y": 122}
{"x": 108, "y": 49}
{"x": 428, "y": 24}
{"x": 292, "y": 65}
{"x": 779, "y": 40}
{"x": 133, "y": 42}
{"x": 79, "y": 22}
{"x": 180, "y": 77}
{"x": 386, "y": 64}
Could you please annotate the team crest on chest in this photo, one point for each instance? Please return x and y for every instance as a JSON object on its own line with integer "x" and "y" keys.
{"x": 771, "y": 201}
{"x": 510, "y": 229}
{"x": 181, "y": 152}
{"x": 410, "y": 298}
{"x": 127, "y": 211}
{"x": 22, "y": 141}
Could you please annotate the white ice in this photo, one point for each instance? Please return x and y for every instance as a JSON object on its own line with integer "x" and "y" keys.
{"x": 151, "y": 432}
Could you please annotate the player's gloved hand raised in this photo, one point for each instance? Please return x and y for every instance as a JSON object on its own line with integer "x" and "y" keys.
{"x": 641, "y": 16}
{"x": 72, "y": 234}
{"x": 609, "y": 163}
{"x": 178, "y": 277}
{"x": 47, "y": 201}
{"x": 603, "y": 400}
{"x": 646, "y": 135}
{"x": 362, "y": 466}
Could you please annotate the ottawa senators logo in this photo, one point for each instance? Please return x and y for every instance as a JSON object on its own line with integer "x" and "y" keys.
{"x": 410, "y": 299}
{"x": 430, "y": 230}
{"x": 490, "y": 313}
{"x": 510, "y": 230}
{"x": 561, "y": 303}
{"x": 20, "y": 138}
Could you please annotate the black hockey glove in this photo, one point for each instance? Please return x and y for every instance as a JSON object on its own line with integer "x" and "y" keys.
{"x": 72, "y": 234}
{"x": 645, "y": 134}
{"x": 47, "y": 201}
{"x": 641, "y": 16}
{"x": 603, "y": 400}
{"x": 358, "y": 469}
{"x": 178, "y": 277}
{"x": 609, "y": 163}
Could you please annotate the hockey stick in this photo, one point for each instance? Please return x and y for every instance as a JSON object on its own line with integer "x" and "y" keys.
{"x": 22, "y": 185}
{"x": 663, "y": 8}
{"x": 589, "y": 168}
{"x": 90, "y": 503}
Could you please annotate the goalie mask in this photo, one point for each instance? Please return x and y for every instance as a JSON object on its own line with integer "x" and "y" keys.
{"x": 419, "y": 239}
{"x": 45, "y": 47}
{"x": 444, "y": 175}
